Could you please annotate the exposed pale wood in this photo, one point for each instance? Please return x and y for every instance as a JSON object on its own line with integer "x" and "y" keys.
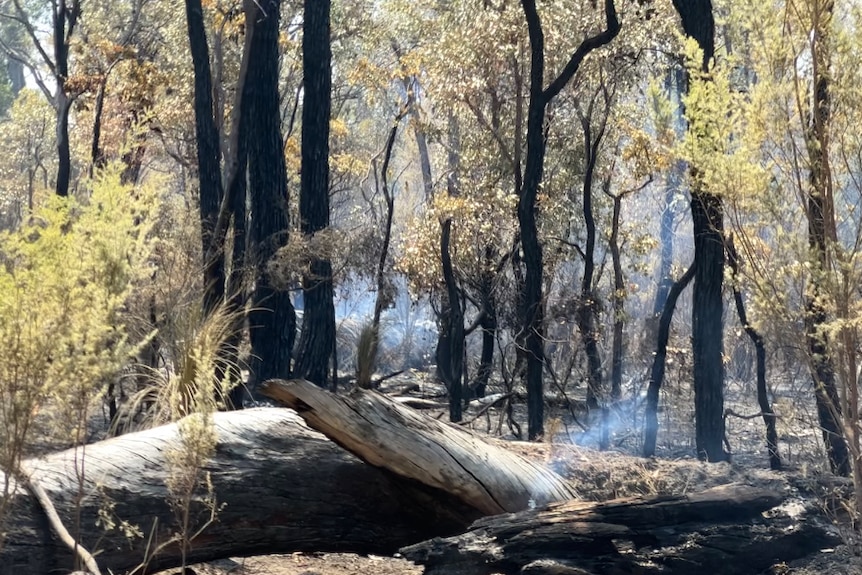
{"x": 385, "y": 434}
{"x": 282, "y": 488}
{"x": 719, "y": 531}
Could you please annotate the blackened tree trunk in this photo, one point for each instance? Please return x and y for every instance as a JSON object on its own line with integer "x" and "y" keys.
{"x": 760, "y": 350}
{"x": 531, "y": 302}
{"x": 452, "y": 356}
{"x": 272, "y": 321}
{"x": 588, "y": 303}
{"x": 707, "y": 214}
{"x": 65, "y": 18}
{"x": 208, "y": 155}
{"x": 448, "y": 331}
{"x": 658, "y": 363}
{"x": 317, "y": 343}
{"x": 619, "y": 296}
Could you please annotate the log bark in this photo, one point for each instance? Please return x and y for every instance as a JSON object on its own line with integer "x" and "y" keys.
{"x": 280, "y": 487}
{"x": 719, "y": 531}
{"x": 385, "y": 434}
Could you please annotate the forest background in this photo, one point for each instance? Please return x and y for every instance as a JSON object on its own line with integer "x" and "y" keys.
{"x": 195, "y": 199}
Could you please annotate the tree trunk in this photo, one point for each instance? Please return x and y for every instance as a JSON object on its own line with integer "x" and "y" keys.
{"x": 420, "y": 449}
{"x": 618, "y": 298}
{"x": 707, "y": 326}
{"x": 760, "y": 349}
{"x": 658, "y": 363}
{"x": 532, "y": 304}
{"x": 821, "y": 231}
{"x": 317, "y": 342}
{"x": 64, "y": 158}
{"x": 674, "y": 84}
{"x": 452, "y": 356}
{"x": 280, "y": 488}
{"x": 666, "y": 233}
{"x": 208, "y": 156}
{"x": 587, "y": 302}
{"x": 272, "y": 321}
{"x": 720, "y": 531}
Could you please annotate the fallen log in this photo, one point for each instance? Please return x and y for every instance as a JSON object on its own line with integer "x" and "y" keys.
{"x": 279, "y": 486}
{"x": 720, "y": 531}
{"x": 386, "y": 434}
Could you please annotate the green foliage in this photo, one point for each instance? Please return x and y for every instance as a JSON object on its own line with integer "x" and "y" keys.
{"x": 64, "y": 280}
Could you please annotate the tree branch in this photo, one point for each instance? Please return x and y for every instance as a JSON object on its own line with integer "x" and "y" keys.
{"x": 587, "y": 46}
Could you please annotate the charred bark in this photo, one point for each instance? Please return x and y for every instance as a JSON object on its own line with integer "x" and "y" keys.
{"x": 721, "y": 531}
{"x": 531, "y": 302}
{"x": 760, "y": 350}
{"x": 272, "y": 321}
{"x": 208, "y": 156}
{"x": 452, "y": 356}
{"x": 317, "y": 342}
{"x": 707, "y": 214}
{"x": 658, "y": 363}
{"x": 821, "y": 231}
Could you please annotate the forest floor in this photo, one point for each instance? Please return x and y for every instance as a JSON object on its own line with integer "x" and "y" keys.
{"x": 619, "y": 472}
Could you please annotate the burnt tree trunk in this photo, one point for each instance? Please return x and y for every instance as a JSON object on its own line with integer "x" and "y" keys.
{"x": 707, "y": 214}
{"x": 65, "y": 18}
{"x": 720, "y": 531}
{"x": 760, "y": 350}
{"x": 272, "y": 321}
{"x": 317, "y": 342}
{"x": 208, "y": 156}
{"x": 588, "y": 305}
{"x": 452, "y": 354}
{"x": 658, "y": 363}
{"x": 531, "y": 301}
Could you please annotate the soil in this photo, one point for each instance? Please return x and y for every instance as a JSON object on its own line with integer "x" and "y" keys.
{"x": 619, "y": 472}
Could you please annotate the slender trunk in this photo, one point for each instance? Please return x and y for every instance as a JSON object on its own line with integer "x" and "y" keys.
{"x": 64, "y": 158}
{"x": 446, "y": 333}
{"x": 674, "y": 84}
{"x": 317, "y": 342}
{"x": 588, "y": 304}
{"x": 658, "y": 363}
{"x": 455, "y": 352}
{"x": 760, "y": 349}
{"x": 532, "y": 304}
{"x": 97, "y": 156}
{"x": 367, "y": 356}
{"x": 668, "y": 216}
{"x": 618, "y": 298}
{"x": 272, "y": 320}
